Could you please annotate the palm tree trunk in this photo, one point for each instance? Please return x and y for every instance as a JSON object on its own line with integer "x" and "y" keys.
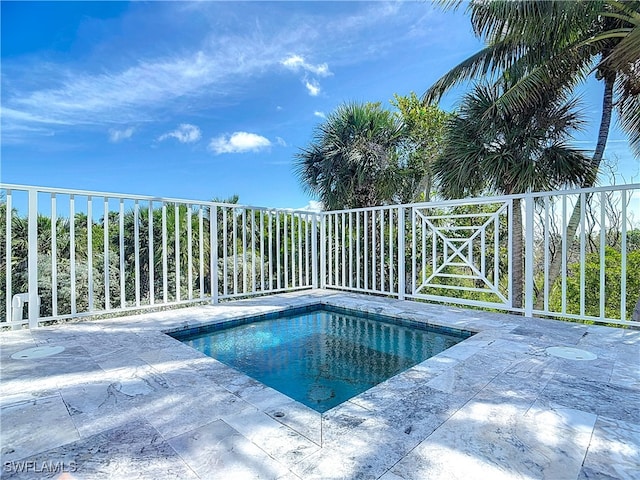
{"x": 572, "y": 226}
{"x": 517, "y": 267}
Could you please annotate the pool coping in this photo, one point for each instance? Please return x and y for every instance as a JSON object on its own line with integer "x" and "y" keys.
{"x": 501, "y": 377}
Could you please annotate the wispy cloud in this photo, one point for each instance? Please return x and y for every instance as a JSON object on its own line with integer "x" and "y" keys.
{"x": 280, "y": 141}
{"x": 116, "y": 135}
{"x": 111, "y": 92}
{"x": 238, "y": 142}
{"x": 319, "y": 114}
{"x": 313, "y": 87}
{"x": 185, "y": 133}
{"x": 297, "y": 63}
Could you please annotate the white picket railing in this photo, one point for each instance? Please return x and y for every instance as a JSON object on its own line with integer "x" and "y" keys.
{"x": 98, "y": 252}
{"x": 87, "y": 253}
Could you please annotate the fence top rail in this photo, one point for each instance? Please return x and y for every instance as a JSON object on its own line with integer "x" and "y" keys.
{"x": 494, "y": 199}
{"x": 433, "y": 204}
{"x": 148, "y": 198}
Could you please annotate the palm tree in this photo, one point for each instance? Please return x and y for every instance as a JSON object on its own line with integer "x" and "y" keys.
{"x": 509, "y": 153}
{"x": 554, "y": 45}
{"x": 347, "y": 163}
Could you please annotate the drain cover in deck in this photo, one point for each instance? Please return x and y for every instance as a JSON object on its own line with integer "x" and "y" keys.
{"x": 37, "y": 352}
{"x": 571, "y": 353}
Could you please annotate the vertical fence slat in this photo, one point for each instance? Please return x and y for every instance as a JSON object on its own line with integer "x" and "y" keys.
{"x": 350, "y": 249}
{"x": 270, "y": 222}
{"x": 300, "y": 265}
{"x": 225, "y": 252}
{"x": 123, "y": 291}
{"x": 323, "y": 251}
{"x": 603, "y": 237}
{"x": 564, "y": 255}
{"x": 374, "y": 251}
{"x": 528, "y": 273}
{"x": 165, "y": 263}
{"x": 623, "y": 257}
{"x": 510, "y": 234}
{"x": 136, "y": 243}
{"x": 366, "y": 249}
{"x": 336, "y": 250}
{"x": 262, "y": 255}
{"x": 285, "y": 235}
{"x": 90, "y": 251}
{"x": 201, "y": 250}
{"x": 278, "y": 254}
{"x": 358, "y": 250}
{"x": 54, "y": 255}
{"x": 189, "y": 220}
{"x": 34, "y": 310}
{"x": 253, "y": 251}
{"x": 401, "y": 254}
{"x": 343, "y": 251}
{"x": 176, "y": 251}
{"x": 235, "y": 252}
{"x": 382, "y": 288}
{"x": 546, "y": 254}
{"x": 151, "y": 257}
{"x": 72, "y": 252}
{"x": 8, "y": 250}
{"x": 414, "y": 254}
{"x": 106, "y": 264}
{"x": 583, "y": 244}
{"x": 391, "y": 279}
{"x": 292, "y": 239}
{"x": 329, "y": 250}
{"x": 244, "y": 251}
{"x": 213, "y": 257}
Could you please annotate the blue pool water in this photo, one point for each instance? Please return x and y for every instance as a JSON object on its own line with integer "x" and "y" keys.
{"x": 321, "y": 356}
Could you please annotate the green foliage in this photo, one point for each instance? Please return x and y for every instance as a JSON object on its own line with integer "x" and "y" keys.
{"x": 363, "y": 155}
{"x": 612, "y": 289}
{"x": 552, "y": 46}
{"x": 348, "y": 162}
{"x": 241, "y": 253}
{"x": 492, "y": 149}
{"x": 425, "y": 127}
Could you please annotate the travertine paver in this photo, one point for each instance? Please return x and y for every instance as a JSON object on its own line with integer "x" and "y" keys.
{"x": 125, "y": 400}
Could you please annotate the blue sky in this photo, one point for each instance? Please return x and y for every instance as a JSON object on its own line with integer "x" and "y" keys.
{"x": 210, "y": 99}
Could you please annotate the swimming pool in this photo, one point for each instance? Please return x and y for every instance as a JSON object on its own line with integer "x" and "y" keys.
{"x": 321, "y": 355}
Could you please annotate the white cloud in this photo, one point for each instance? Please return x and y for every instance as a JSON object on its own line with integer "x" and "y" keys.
{"x": 319, "y": 114}
{"x": 313, "y": 87}
{"x": 296, "y": 63}
{"x": 185, "y": 133}
{"x": 116, "y": 136}
{"x": 280, "y": 141}
{"x": 313, "y": 206}
{"x": 238, "y": 142}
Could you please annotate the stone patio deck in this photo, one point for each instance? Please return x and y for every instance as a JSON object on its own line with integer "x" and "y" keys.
{"x": 126, "y": 401}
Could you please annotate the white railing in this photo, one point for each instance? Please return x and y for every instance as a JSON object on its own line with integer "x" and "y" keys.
{"x": 466, "y": 252}
{"x": 98, "y": 252}
{"x": 101, "y": 252}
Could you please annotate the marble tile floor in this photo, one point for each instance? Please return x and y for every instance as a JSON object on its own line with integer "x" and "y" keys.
{"x": 126, "y": 401}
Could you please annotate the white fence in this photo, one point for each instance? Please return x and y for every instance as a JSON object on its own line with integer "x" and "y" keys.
{"x": 86, "y": 253}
